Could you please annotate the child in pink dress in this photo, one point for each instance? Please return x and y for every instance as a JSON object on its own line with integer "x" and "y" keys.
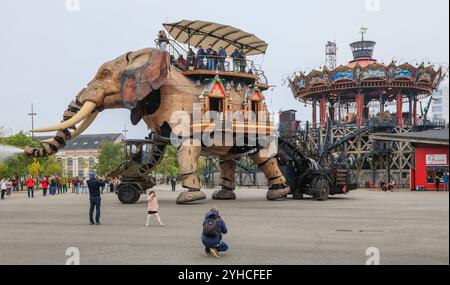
{"x": 153, "y": 208}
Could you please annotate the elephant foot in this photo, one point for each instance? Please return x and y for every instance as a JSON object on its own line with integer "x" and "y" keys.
{"x": 224, "y": 194}
{"x": 278, "y": 192}
{"x": 190, "y": 196}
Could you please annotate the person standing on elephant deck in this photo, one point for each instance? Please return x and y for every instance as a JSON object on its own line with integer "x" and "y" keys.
{"x": 95, "y": 198}
{"x": 153, "y": 208}
{"x": 201, "y": 53}
{"x": 163, "y": 40}
{"x": 213, "y": 228}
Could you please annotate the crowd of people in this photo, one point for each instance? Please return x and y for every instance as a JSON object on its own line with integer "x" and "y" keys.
{"x": 52, "y": 185}
{"x": 207, "y": 59}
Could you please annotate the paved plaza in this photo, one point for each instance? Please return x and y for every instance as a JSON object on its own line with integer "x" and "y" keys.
{"x": 407, "y": 228}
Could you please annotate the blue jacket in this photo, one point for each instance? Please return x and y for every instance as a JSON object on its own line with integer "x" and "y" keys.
{"x": 222, "y": 53}
{"x": 201, "y": 53}
{"x": 215, "y": 241}
{"x": 94, "y": 187}
{"x": 445, "y": 178}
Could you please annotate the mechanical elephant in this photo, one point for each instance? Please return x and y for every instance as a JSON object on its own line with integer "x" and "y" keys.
{"x": 146, "y": 83}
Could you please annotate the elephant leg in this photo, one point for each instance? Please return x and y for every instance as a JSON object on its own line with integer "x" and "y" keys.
{"x": 187, "y": 157}
{"x": 277, "y": 182}
{"x": 228, "y": 183}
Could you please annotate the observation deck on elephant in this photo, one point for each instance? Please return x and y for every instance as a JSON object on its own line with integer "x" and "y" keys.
{"x": 202, "y": 50}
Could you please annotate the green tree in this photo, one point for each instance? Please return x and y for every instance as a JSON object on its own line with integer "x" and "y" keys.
{"x": 19, "y": 140}
{"x": 51, "y": 167}
{"x": 110, "y": 157}
{"x": 17, "y": 166}
{"x": 35, "y": 168}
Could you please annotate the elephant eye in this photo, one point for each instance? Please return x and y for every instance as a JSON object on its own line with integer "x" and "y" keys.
{"x": 105, "y": 73}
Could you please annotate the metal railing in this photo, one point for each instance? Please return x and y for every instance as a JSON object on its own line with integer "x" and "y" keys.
{"x": 192, "y": 61}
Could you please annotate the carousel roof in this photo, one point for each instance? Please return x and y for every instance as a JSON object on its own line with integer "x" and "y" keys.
{"x": 365, "y": 74}
{"x": 201, "y": 33}
{"x": 375, "y": 76}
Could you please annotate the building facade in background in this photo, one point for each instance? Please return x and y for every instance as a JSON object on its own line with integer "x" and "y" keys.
{"x": 79, "y": 157}
{"x": 440, "y": 105}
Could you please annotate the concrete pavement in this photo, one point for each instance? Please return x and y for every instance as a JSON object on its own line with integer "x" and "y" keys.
{"x": 407, "y": 228}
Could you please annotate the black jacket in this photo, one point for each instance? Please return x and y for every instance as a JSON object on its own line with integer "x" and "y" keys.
{"x": 94, "y": 187}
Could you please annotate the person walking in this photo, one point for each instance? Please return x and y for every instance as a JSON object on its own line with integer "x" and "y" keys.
{"x": 3, "y": 188}
{"x": 437, "y": 183}
{"x": 173, "y": 182}
{"x": 84, "y": 186}
{"x": 15, "y": 185}
{"x": 44, "y": 184}
{"x": 9, "y": 187}
{"x": 153, "y": 208}
{"x": 213, "y": 228}
{"x": 445, "y": 180}
{"x": 30, "y": 187}
{"x": 383, "y": 186}
{"x": 53, "y": 186}
{"x": 106, "y": 188}
{"x": 95, "y": 198}
{"x": 77, "y": 185}
{"x": 64, "y": 184}
{"x": 58, "y": 185}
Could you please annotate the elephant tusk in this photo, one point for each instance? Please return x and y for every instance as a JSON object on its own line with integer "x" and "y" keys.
{"x": 85, "y": 111}
{"x": 84, "y": 125}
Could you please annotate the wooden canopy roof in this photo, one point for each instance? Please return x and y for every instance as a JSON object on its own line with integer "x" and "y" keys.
{"x": 201, "y": 33}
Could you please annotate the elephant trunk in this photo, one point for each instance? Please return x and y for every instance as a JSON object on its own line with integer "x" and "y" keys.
{"x": 84, "y": 114}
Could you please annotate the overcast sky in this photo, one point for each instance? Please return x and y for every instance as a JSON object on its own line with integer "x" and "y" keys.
{"x": 49, "y": 53}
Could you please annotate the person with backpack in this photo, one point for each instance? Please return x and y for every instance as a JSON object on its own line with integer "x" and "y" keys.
{"x": 213, "y": 228}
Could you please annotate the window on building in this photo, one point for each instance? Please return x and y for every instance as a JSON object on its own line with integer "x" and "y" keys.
{"x": 438, "y": 101}
{"x": 69, "y": 169}
{"x": 92, "y": 164}
{"x": 437, "y": 109}
{"x": 435, "y": 171}
{"x": 81, "y": 173}
{"x": 437, "y": 117}
{"x": 82, "y": 165}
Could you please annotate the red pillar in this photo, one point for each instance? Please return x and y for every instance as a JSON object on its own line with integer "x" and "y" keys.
{"x": 400, "y": 110}
{"x": 314, "y": 114}
{"x": 360, "y": 109}
{"x": 323, "y": 113}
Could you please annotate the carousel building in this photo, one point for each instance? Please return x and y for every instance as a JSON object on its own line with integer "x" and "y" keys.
{"x": 352, "y": 101}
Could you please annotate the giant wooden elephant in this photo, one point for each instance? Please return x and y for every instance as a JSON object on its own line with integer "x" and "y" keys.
{"x": 146, "y": 83}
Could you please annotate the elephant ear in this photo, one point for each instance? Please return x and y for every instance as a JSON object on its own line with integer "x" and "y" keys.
{"x": 139, "y": 82}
